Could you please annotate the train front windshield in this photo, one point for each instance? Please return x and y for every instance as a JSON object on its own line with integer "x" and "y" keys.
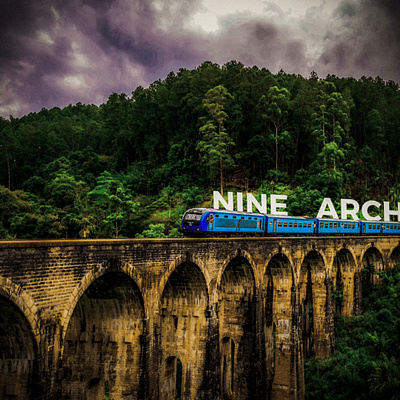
{"x": 192, "y": 218}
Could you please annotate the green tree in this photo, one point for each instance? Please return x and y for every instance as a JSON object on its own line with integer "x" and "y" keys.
{"x": 331, "y": 125}
{"x": 112, "y": 204}
{"x": 154, "y": 231}
{"x": 11, "y": 203}
{"x": 215, "y": 143}
{"x": 274, "y": 108}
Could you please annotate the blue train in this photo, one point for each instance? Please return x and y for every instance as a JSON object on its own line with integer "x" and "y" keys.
{"x": 208, "y": 222}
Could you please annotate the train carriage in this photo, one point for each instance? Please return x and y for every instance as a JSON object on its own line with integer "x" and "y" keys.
{"x": 287, "y": 225}
{"x": 211, "y": 221}
{"x": 380, "y": 227}
{"x": 337, "y": 226}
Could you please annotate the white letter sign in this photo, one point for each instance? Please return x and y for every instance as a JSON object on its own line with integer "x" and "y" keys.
{"x": 322, "y": 210}
{"x": 345, "y": 212}
{"x": 365, "y": 208}
{"x": 219, "y": 199}
{"x": 275, "y": 204}
{"x": 348, "y": 207}
{"x": 387, "y": 212}
{"x": 251, "y": 200}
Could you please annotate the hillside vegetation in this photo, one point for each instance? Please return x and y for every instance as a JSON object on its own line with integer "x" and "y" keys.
{"x": 366, "y": 362}
{"x": 132, "y": 166}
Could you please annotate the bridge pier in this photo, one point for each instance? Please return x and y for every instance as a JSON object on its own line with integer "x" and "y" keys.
{"x": 160, "y": 319}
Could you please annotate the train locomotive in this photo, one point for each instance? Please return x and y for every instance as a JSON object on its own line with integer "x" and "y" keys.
{"x": 211, "y": 222}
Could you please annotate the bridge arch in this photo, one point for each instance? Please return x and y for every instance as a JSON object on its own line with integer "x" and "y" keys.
{"x": 313, "y": 299}
{"x": 184, "y": 323}
{"x": 288, "y": 263}
{"x": 372, "y": 262}
{"x": 236, "y": 312}
{"x": 371, "y": 247}
{"x": 108, "y": 321}
{"x": 394, "y": 256}
{"x": 23, "y": 301}
{"x": 342, "y": 274}
{"x": 172, "y": 377}
{"x": 239, "y": 253}
{"x": 187, "y": 258}
{"x": 19, "y": 342}
{"x": 90, "y": 277}
{"x": 279, "y": 291}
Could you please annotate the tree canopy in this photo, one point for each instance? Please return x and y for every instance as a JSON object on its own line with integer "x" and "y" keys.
{"x": 140, "y": 159}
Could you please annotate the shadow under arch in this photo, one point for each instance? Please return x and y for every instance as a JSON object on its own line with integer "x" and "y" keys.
{"x": 188, "y": 259}
{"x": 372, "y": 248}
{"x": 371, "y": 263}
{"x": 228, "y": 355}
{"x": 237, "y": 321}
{"x": 278, "y": 292}
{"x": 314, "y": 320}
{"x": 394, "y": 256}
{"x": 171, "y": 379}
{"x": 102, "y": 348}
{"x": 238, "y": 254}
{"x": 343, "y": 281}
{"x": 19, "y": 372}
{"x": 23, "y": 301}
{"x": 184, "y": 327}
{"x": 90, "y": 277}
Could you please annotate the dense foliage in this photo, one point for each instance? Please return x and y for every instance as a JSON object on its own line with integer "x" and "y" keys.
{"x": 366, "y": 362}
{"x": 140, "y": 160}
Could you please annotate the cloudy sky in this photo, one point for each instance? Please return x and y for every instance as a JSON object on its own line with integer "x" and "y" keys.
{"x": 58, "y": 52}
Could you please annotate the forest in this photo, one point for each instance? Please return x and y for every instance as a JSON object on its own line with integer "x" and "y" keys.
{"x": 131, "y": 166}
{"x": 366, "y": 361}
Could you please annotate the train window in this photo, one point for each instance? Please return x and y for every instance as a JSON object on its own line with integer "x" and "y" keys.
{"x": 285, "y": 224}
{"x": 295, "y": 225}
{"x": 193, "y": 217}
{"x": 280, "y": 224}
{"x": 226, "y": 216}
{"x": 290, "y": 225}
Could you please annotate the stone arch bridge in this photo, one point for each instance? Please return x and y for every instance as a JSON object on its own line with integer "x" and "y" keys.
{"x": 175, "y": 318}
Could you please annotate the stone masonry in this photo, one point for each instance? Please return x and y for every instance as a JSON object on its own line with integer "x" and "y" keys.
{"x": 175, "y": 318}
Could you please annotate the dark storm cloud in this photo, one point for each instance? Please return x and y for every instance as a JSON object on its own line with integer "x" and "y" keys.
{"x": 365, "y": 42}
{"x": 56, "y": 52}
